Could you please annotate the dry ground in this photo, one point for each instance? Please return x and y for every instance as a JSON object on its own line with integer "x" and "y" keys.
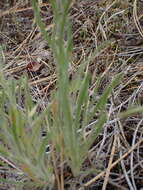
{"x": 93, "y": 21}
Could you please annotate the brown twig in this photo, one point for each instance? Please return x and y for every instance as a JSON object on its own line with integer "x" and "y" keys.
{"x": 112, "y": 166}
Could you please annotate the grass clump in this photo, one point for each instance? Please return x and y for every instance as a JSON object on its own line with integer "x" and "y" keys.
{"x": 65, "y": 118}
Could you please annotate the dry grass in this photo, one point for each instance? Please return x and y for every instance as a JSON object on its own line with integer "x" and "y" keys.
{"x": 117, "y": 154}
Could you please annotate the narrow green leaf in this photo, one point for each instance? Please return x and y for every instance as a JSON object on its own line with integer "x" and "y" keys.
{"x": 131, "y": 111}
{"x": 104, "y": 97}
{"x": 39, "y": 22}
{"x": 81, "y": 99}
{"x": 96, "y": 129}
